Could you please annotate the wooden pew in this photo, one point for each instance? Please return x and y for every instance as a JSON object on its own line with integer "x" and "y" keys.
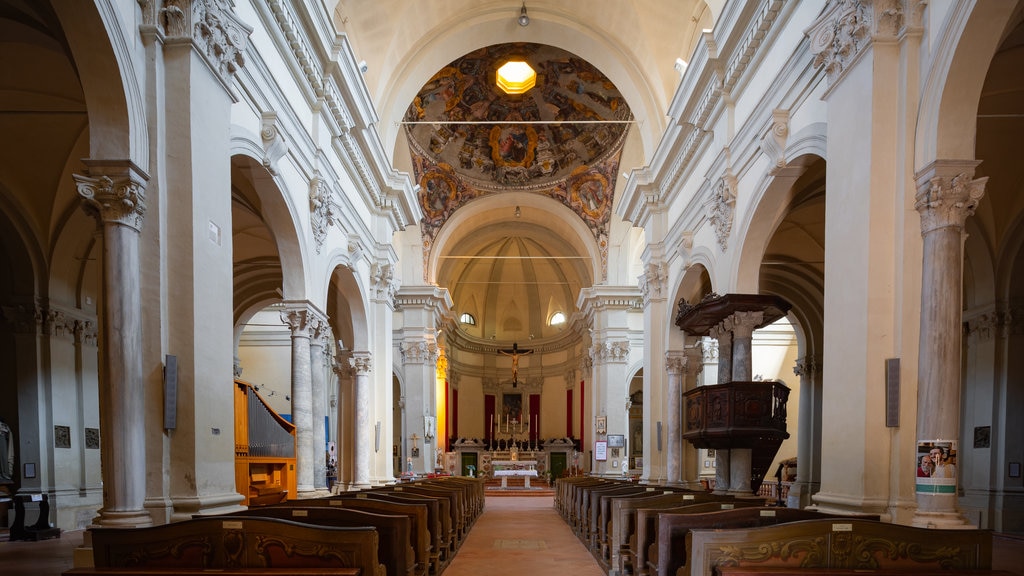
{"x": 838, "y": 546}
{"x": 394, "y": 548}
{"x": 234, "y": 545}
{"x": 611, "y": 522}
{"x": 641, "y": 538}
{"x": 671, "y": 550}
{"x": 417, "y": 513}
{"x": 437, "y": 524}
{"x": 591, "y": 510}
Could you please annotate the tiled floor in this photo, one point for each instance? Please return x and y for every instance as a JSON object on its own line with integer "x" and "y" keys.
{"x": 515, "y": 535}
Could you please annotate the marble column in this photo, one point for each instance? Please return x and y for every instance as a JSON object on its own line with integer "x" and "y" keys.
{"x": 362, "y": 365}
{"x": 947, "y": 194}
{"x": 743, "y": 324}
{"x": 303, "y": 320}
{"x": 675, "y": 364}
{"x": 318, "y": 385}
{"x": 722, "y": 462}
{"x": 114, "y": 193}
{"x": 807, "y": 460}
{"x": 723, "y": 333}
{"x": 740, "y": 467}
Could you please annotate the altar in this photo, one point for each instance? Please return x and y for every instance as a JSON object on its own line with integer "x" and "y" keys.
{"x": 504, "y": 468}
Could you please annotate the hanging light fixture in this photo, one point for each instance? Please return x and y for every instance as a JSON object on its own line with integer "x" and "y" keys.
{"x": 523, "y": 20}
{"x": 518, "y": 213}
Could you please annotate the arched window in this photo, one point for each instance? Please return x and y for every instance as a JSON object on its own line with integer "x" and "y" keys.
{"x": 556, "y": 319}
{"x": 467, "y": 318}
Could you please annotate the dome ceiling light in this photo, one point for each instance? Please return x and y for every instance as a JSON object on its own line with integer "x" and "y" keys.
{"x": 523, "y": 20}
{"x": 516, "y": 77}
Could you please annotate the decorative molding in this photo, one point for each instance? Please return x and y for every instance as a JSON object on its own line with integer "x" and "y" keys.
{"x": 382, "y": 281}
{"x": 847, "y": 27}
{"x": 610, "y": 352}
{"x": 721, "y": 208}
{"x": 419, "y": 352}
{"x": 322, "y": 209}
{"x": 773, "y": 143}
{"x": 274, "y": 145}
{"x": 652, "y": 283}
{"x": 219, "y": 35}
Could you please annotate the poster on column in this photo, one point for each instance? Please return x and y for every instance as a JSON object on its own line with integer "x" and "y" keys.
{"x": 601, "y": 450}
{"x": 936, "y": 467}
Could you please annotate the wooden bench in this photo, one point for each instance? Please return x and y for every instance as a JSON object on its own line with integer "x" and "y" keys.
{"x": 641, "y": 543}
{"x": 670, "y": 552}
{"x": 436, "y": 523}
{"x": 838, "y": 546}
{"x": 620, "y": 519}
{"x": 234, "y": 545}
{"x": 394, "y": 532}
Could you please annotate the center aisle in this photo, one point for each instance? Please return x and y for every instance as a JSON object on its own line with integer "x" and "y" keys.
{"x": 522, "y": 535}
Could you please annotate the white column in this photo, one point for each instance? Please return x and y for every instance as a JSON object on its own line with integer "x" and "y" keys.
{"x": 114, "y": 193}
{"x": 346, "y": 417}
{"x": 318, "y": 386}
{"x": 362, "y": 365}
{"x": 303, "y": 320}
{"x": 675, "y": 364}
{"x": 947, "y": 195}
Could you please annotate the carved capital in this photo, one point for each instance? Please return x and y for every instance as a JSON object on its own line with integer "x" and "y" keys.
{"x": 743, "y": 323}
{"x": 322, "y": 209}
{"x": 113, "y": 193}
{"x": 839, "y": 35}
{"x": 303, "y": 319}
{"x": 807, "y": 366}
{"x": 947, "y": 193}
{"x": 709, "y": 350}
{"x": 676, "y": 362}
{"x": 361, "y": 362}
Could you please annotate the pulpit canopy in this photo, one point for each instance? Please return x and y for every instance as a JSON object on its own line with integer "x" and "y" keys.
{"x": 698, "y": 319}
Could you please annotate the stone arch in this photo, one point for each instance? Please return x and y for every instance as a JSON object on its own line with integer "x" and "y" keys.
{"x": 548, "y": 25}
{"x": 487, "y": 211}
{"x": 947, "y": 126}
{"x": 106, "y": 68}
{"x": 279, "y": 213}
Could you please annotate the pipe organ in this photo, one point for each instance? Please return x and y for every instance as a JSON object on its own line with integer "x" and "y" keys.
{"x": 264, "y": 450}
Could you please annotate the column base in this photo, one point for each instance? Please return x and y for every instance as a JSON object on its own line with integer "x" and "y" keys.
{"x": 123, "y": 519}
{"x": 941, "y": 520}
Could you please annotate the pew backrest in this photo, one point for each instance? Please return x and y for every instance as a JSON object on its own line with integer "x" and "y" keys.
{"x": 842, "y": 544}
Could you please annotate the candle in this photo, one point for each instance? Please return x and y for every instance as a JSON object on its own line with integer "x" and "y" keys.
{"x": 491, "y": 427}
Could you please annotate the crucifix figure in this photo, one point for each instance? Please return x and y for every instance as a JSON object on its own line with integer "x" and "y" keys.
{"x": 515, "y": 353}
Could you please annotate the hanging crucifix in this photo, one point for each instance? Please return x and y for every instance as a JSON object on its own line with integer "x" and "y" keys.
{"x": 515, "y": 353}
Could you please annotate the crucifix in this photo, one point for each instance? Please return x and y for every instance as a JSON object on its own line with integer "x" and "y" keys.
{"x": 515, "y": 353}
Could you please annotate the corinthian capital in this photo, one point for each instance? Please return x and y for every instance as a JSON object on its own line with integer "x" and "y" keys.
{"x": 947, "y": 193}
{"x": 303, "y": 319}
{"x": 675, "y": 362}
{"x": 361, "y": 362}
{"x": 113, "y": 193}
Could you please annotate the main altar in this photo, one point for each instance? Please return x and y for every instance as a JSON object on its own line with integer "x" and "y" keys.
{"x": 525, "y": 469}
